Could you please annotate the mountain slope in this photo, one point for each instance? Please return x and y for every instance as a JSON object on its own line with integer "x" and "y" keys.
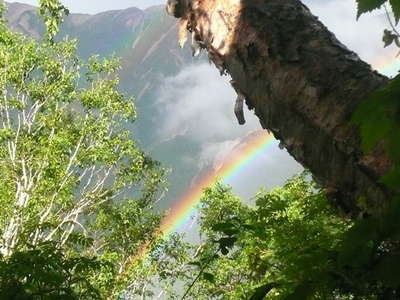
{"x": 167, "y": 83}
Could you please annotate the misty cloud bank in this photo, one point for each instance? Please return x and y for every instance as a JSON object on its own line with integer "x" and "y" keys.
{"x": 198, "y": 104}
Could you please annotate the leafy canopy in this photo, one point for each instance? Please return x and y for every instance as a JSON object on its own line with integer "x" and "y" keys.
{"x": 292, "y": 245}
{"x": 52, "y": 12}
{"x": 364, "y": 6}
{"x": 285, "y": 242}
{"x": 77, "y": 193}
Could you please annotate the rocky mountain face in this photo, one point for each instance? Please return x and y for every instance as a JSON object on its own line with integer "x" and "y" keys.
{"x": 146, "y": 42}
{"x": 142, "y": 38}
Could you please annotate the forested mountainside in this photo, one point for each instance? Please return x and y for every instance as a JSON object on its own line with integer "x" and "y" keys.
{"x": 142, "y": 38}
{"x": 146, "y": 40}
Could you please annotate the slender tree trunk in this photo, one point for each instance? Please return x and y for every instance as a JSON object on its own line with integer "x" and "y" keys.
{"x": 303, "y": 85}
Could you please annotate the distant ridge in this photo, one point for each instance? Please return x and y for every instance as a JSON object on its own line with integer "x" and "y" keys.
{"x": 146, "y": 42}
{"x": 144, "y": 39}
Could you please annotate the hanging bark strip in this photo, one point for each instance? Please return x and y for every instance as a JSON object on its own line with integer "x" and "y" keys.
{"x": 303, "y": 85}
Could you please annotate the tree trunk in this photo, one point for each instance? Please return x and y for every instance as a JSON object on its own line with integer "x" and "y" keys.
{"x": 303, "y": 85}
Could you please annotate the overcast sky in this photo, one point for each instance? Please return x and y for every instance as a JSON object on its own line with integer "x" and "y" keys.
{"x": 95, "y": 6}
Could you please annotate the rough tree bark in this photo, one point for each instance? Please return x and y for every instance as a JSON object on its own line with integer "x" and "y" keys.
{"x": 303, "y": 85}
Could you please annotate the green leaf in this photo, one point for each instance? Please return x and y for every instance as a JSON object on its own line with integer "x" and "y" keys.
{"x": 388, "y": 270}
{"x": 302, "y": 292}
{"x": 368, "y": 6}
{"x": 209, "y": 277}
{"x": 379, "y": 123}
{"x": 195, "y": 263}
{"x": 388, "y": 37}
{"x": 224, "y": 251}
{"x": 225, "y": 227}
{"x": 392, "y": 178}
{"x": 358, "y": 245}
{"x": 262, "y": 291}
{"x": 396, "y": 9}
{"x": 227, "y": 242}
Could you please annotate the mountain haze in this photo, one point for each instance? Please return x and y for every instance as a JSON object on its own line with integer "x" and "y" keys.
{"x": 145, "y": 39}
{"x": 185, "y": 109}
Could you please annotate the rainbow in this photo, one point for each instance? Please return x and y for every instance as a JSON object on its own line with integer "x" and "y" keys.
{"x": 390, "y": 67}
{"x": 388, "y": 64}
{"x": 249, "y": 150}
{"x": 242, "y": 155}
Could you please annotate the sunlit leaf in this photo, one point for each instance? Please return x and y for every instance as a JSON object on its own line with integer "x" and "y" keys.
{"x": 368, "y": 6}
{"x": 396, "y": 9}
{"x": 262, "y": 291}
{"x": 209, "y": 277}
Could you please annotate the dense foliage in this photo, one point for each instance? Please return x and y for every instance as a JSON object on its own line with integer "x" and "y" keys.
{"x": 76, "y": 192}
{"x": 377, "y": 117}
{"x": 292, "y": 245}
{"x": 283, "y": 246}
{"x": 44, "y": 272}
{"x": 365, "y": 6}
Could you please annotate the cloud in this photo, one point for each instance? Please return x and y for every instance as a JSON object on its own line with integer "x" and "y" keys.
{"x": 199, "y": 103}
{"x": 97, "y": 6}
{"x": 216, "y": 152}
{"x": 268, "y": 170}
{"x": 363, "y": 36}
